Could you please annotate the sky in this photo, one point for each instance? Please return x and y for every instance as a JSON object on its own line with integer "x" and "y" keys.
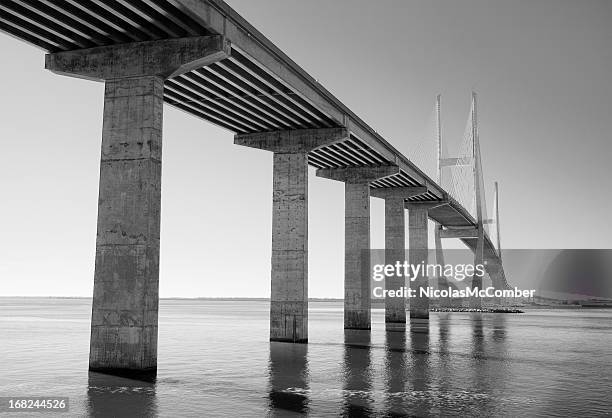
{"x": 542, "y": 70}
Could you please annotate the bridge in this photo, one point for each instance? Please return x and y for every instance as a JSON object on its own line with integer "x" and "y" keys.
{"x": 202, "y": 57}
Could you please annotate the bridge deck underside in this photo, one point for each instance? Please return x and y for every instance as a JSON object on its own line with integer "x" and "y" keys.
{"x": 239, "y": 93}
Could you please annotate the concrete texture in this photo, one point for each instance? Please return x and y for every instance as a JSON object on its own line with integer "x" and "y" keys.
{"x": 395, "y": 250}
{"x": 443, "y": 283}
{"x": 126, "y": 278}
{"x": 403, "y": 192}
{"x": 298, "y": 140}
{"x": 494, "y": 269}
{"x": 164, "y": 58}
{"x": 125, "y": 300}
{"x": 357, "y": 292}
{"x": 358, "y": 174}
{"x": 289, "y": 287}
{"x": 417, "y": 254}
{"x": 289, "y": 297}
{"x": 475, "y": 301}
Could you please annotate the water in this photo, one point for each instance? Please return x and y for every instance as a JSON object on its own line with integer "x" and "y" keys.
{"x": 215, "y": 360}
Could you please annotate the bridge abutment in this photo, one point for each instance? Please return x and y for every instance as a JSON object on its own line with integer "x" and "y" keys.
{"x": 126, "y": 280}
{"x": 357, "y": 292}
{"x": 289, "y": 275}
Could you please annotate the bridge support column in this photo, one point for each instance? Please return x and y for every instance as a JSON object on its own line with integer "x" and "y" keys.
{"x": 475, "y": 302}
{"x": 494, "y": 269}
{"x": 417, "y": 254}
{"x": 445, "y": 302}
{"x": 395, "y": 249}
{"x": 126, "y": 278}
{"x": 357, "y": 292}
{"x": 125, "y": 300}
{"x": 289, "y": 276}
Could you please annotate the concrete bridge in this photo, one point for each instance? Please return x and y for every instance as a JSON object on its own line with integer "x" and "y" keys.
{"x": 202, "y": 57}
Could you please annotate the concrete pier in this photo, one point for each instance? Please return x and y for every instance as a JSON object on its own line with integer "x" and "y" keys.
{"x": 357, "y": 292}
{"x": 417, "y": 254}
{"x": 443, "y": 283}
{"x": 395, "y": 249}
{"x": 289, "y": 276}
{"x": 126, "y": 278}
{"x": 475, "y": 301}
{"x": 125, "y": 299}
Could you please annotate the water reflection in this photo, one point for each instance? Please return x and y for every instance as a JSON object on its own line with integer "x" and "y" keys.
{"x": 499, "y": 330}
{"x": 357, "y": 374}
{"x": 395, "y": 373}
{"x": 490, "y": 369}
{"x": 446, "y": 372}
{"x": 419, "y": 372}
{"x": 477, "y": 335}
{"x": 422, "y": 374}
{"x": 288, "y": 372}
{"x": 112, "y": 396}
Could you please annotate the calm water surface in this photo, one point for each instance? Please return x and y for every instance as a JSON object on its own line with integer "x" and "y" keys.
{"x": 215, "y": 360}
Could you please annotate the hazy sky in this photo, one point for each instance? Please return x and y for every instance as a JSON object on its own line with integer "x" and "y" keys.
{"x": 542, "y": 69}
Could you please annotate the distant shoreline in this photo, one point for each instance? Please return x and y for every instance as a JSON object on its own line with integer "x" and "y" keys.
{"x": 375, "y": 303}
{"x": 174, "y": 298}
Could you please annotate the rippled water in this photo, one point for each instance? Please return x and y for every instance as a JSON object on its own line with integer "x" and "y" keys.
{"x": 215, "y": 360}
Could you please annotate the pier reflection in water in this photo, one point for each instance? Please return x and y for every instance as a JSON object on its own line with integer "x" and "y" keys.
{"x": 112, "y": 396}
{"x": 215, "y": 362}
{"x": 396, "y": 373}
{"x": 288, "y": 373}
{"x": 357, "y": 373}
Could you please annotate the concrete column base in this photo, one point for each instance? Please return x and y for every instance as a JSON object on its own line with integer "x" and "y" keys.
{"x": 289, "y": 321}
{"x": 357, "y": 319}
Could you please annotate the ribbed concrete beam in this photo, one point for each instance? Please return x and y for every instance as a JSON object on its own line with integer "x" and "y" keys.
{"x": 459, "y": 233}
{"x": 165, "y": 58}
{"x": 358, "y": 174}
{"x": 429, "y": 206}
{"x": 292, "y": 141}
{"x": 397, "y": 192}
